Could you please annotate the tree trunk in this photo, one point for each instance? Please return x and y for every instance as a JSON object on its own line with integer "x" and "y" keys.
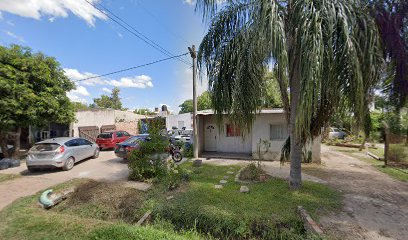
{"x": 17, "y": 142}
{"x": 3, "y": 144}
{"x": 295, "y": 180}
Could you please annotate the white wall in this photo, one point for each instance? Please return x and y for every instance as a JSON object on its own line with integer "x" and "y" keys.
{"x": 261, "y": 130}
{"x": 97, "y": 117}
{"x": 172, "y": 120}
{"x": 100, "y": 117}
{"x": 224, "y": 143}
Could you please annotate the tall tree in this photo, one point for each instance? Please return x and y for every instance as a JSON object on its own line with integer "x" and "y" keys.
{"x": 203, "y": 103}
{"x": 271, "y": 97}
{"x": 32, "y": 92}
{"x": 112, "y": 101}
{"x": 392, "y": 20}
{"x": 324, "y": 50}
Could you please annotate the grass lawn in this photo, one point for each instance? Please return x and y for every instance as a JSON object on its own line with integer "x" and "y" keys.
{"x": 394, "y": 172}
{"x": 196, "y": 211}
{"x": 24, "y": 219}
{"x": 269, "y": 208}
{"x": 7, "y": 177}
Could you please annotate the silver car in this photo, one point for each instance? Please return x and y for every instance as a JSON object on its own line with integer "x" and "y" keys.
{"x": 61, "y": 152}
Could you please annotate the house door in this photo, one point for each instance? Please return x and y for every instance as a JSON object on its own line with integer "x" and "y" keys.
{"x": 210, "y": 138}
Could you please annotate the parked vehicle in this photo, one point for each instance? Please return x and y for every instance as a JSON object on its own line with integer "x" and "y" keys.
{"x": 175, "y": 152}
{"x": 337, "y": 133}
{"x": 109, "y": 139}
{"x": 123, "y": 149}
{"x": 61, "y": 152}
{"x": 184, "y": 135}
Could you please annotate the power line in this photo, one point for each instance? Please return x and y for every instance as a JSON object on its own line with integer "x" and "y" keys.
{"x": 135, "y": 32}
{"x": 127, "y": 69}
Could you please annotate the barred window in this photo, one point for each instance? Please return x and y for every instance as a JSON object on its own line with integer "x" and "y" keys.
{"x": 278, "y": 132}
{"x": 233, "y": 131}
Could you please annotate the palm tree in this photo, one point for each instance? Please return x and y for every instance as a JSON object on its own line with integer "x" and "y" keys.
{"x": 325, "y": 54}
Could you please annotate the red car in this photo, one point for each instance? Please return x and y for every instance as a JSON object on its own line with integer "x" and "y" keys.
{"x": 111, "y": 138}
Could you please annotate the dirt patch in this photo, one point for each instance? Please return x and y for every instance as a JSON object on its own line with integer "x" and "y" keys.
{"x": 104, "y": 200}
{"x": 375, "y": 205}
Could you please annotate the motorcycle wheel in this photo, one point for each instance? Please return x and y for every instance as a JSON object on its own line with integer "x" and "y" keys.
{"x": 177, "y": 157}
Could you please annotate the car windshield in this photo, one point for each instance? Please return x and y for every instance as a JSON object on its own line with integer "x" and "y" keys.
{"x": 335, "y": 130}
{"x": 188, "y": 132}
{"x": 132, "y": 140}
{"x": 45, "y": 147}
{"x": 105, "y": 135}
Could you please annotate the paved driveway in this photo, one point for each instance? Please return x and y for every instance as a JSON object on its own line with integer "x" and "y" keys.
{"x": 107, "y": 167}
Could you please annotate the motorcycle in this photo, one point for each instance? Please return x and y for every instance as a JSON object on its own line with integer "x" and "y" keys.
{"x": 175, "y": 152}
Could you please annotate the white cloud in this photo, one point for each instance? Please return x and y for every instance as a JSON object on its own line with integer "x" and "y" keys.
{"x": 81, "y": 90}
{"x": 76, "y": 98}
{"x": 75, "y": 75}
{"x": 77, "y": 94}
{"x": 52, "y": 8}
{"x": 189, "y": 2}
{"x": 12, "y": 35}
{"x": 107, "y": 90}
{"x": 51, "y": 19}
{"x": 141, "y": 81}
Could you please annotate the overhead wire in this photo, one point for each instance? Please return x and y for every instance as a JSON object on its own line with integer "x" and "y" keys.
{"x": 127, "y": 69}
{"x": 135, "y": 32}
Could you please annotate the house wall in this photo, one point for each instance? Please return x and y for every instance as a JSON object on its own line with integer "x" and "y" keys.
{"x": 97, "y": 117}
{"x": 261, "y": 131}
{"x": 172, "y": 121}
{"x": 224, "y": 143}
{"x": 123, "y": 120}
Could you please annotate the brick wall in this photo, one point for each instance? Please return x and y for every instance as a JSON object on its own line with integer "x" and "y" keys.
{"x": 130, "y": 127}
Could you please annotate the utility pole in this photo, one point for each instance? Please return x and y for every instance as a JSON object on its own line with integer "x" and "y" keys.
{"x": 195, "y": 131}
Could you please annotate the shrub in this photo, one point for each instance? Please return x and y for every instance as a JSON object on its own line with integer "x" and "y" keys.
{"x": 148, "y": 160}
{"x": 398, "y": 153}
{"x": 251, "y": 172}
{"x": 188, "y": 150}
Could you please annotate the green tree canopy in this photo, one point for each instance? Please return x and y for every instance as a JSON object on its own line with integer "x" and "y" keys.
{"x": 112, "y": 101}
{"x": 32, "y": 90}
{"x": 324, "y": 53}
{"x": 203, "y": 103}
{"x": 144, "y": 111}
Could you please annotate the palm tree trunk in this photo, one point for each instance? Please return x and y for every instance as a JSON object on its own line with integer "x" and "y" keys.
{"x": 295, "y": 180}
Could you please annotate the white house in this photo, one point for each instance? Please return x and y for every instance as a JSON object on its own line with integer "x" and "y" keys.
{"x": 269, "y": 125}
{"x": 179, "y": 121}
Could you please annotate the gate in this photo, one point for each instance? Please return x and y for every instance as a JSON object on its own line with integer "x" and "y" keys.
{"x": 90, "y": 133}
{"x": 105, "y": 128}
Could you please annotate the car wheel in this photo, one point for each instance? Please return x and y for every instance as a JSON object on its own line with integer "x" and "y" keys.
{"x": 96, "y": 154}
{"x": 69, "y": 164}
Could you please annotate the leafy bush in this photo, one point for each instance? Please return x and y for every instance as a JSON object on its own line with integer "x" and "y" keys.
{"x": 398, "y": 153}
{"x": 188, "y": 150}
{"x": 147, "y": 161}
{"x": 251, "y": 172}
{"x": 175, "y": 174}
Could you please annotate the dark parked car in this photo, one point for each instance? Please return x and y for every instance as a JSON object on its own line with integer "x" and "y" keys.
{"x": 111, "y": 138}
{"x": 123, "y": 149}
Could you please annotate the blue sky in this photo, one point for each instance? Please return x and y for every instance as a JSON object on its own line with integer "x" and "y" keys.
{"x": 86, "y": 43}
